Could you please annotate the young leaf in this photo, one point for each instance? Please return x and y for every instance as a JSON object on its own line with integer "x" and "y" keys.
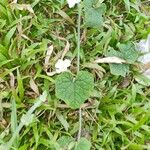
{"x": 127, "y": 52}
{"x": 14, "y": 121}
{"x": 9, "y": 35}
{"x": 62, "y": 120}
{"x": 20, "y": 85}
{"x": 119, "y": 69}
{"x": 127, "y": 4}
{"x": 93, "y": 18}
{"x": 83, "y": 144}
{"x": 64, "y": 141}
{"x": 3, "y": 50}
{"x": 93, "y": 15}
{"x": 2, "y": 58}
{"x": 74, "y": 91}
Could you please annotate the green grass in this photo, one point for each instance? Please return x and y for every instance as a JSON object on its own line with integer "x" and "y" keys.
{"x": 116, "y": 116}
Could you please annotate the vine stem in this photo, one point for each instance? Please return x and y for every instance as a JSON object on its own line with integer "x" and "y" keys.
{"x": 78, "y": 37}
{"x": 80, "y": 123}
{"x": 78, "y": 63}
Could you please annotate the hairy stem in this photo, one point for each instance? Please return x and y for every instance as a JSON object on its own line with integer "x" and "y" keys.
{"x": 80, "y": 123}
{"x": 78, "y": 37}
{"x": 78, "y": 64}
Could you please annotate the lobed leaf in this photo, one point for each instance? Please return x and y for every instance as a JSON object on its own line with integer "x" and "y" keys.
{"x": 93, "y": 15}
{"x": 128, "y": 53}
{"x": 74, "y": 91}
{"x": 83, "y": 144}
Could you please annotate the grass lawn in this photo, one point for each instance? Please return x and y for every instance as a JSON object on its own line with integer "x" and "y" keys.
{"x": 70, "y": 78}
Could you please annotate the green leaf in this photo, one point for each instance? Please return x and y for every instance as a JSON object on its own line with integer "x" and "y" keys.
{"x": 74, "y": 91}
{"x": 128, "y": 53}
{"x": 64, "y": 141}
{"x": 4, "y": 2}
{"x": 83, "y": 144}
{"x": 4, "y": 62}
{"x": 88, "y": 3}
{"x": 14, "y": 123}
{"x": 93, "y": 18}
{"x": 119, "y": 69}
{"x": 2, "y": 23}
{"x": 9, "y": 36}
{"x": 2, "y": 58}
{"x": 20, "y": 85}
{"x": 127, "y": 4}
{"x": 27, "y": 119}
{"x": 3, "y": 50}
{"x": 111, "y": 52}
{"x": 141, "y": 79}
{"x": 3, "y": 11}
{"x": 63, "y": 121}
{"x": 93, "y": 15}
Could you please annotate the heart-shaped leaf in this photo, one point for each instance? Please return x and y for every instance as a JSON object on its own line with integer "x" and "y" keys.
{"x": 119, "y": 69}
{"x": 64, "y": 142}
{"x": 93, "y": 15}
{"x": 74, "y": 91}
{"x": 83, "y": 144}
{"x": 128, "y": 53}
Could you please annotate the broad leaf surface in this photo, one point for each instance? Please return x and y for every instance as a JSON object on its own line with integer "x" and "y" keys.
{"x": 83, "y": 144}
{"x": 93, "y": 15}
{"x": 128, "y": 53}
{"x": 119, "y": 69}
{"x": 64, "y": 141}
{"x": 74, "y": 91}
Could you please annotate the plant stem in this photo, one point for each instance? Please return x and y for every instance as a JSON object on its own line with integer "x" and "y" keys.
{"x": 78, "y": 64}
{"x": 80, "y": 123}
{"x": 78, "y": 37}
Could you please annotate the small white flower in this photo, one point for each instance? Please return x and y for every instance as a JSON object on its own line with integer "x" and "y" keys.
{"x": 72, "y": 3}
{"x": 145, "y": 58}
{"x": 144, "y": 45}
{"x": 62, "y": 65}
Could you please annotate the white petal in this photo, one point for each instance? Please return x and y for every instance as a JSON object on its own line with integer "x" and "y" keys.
{"x": 67, "y": 62}
{"x": 145, "y": 58}
{"x": 148, "y": 42}
{"x": 144, "y": 45}
{"x": 59, "y": 63}
{"x": 62, "y": 65}
{"x": 59, "y": 70}
{"x": 71, "y": 3}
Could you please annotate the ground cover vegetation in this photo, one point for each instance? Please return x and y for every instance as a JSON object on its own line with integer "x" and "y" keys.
{"x": 70, "y": 78}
